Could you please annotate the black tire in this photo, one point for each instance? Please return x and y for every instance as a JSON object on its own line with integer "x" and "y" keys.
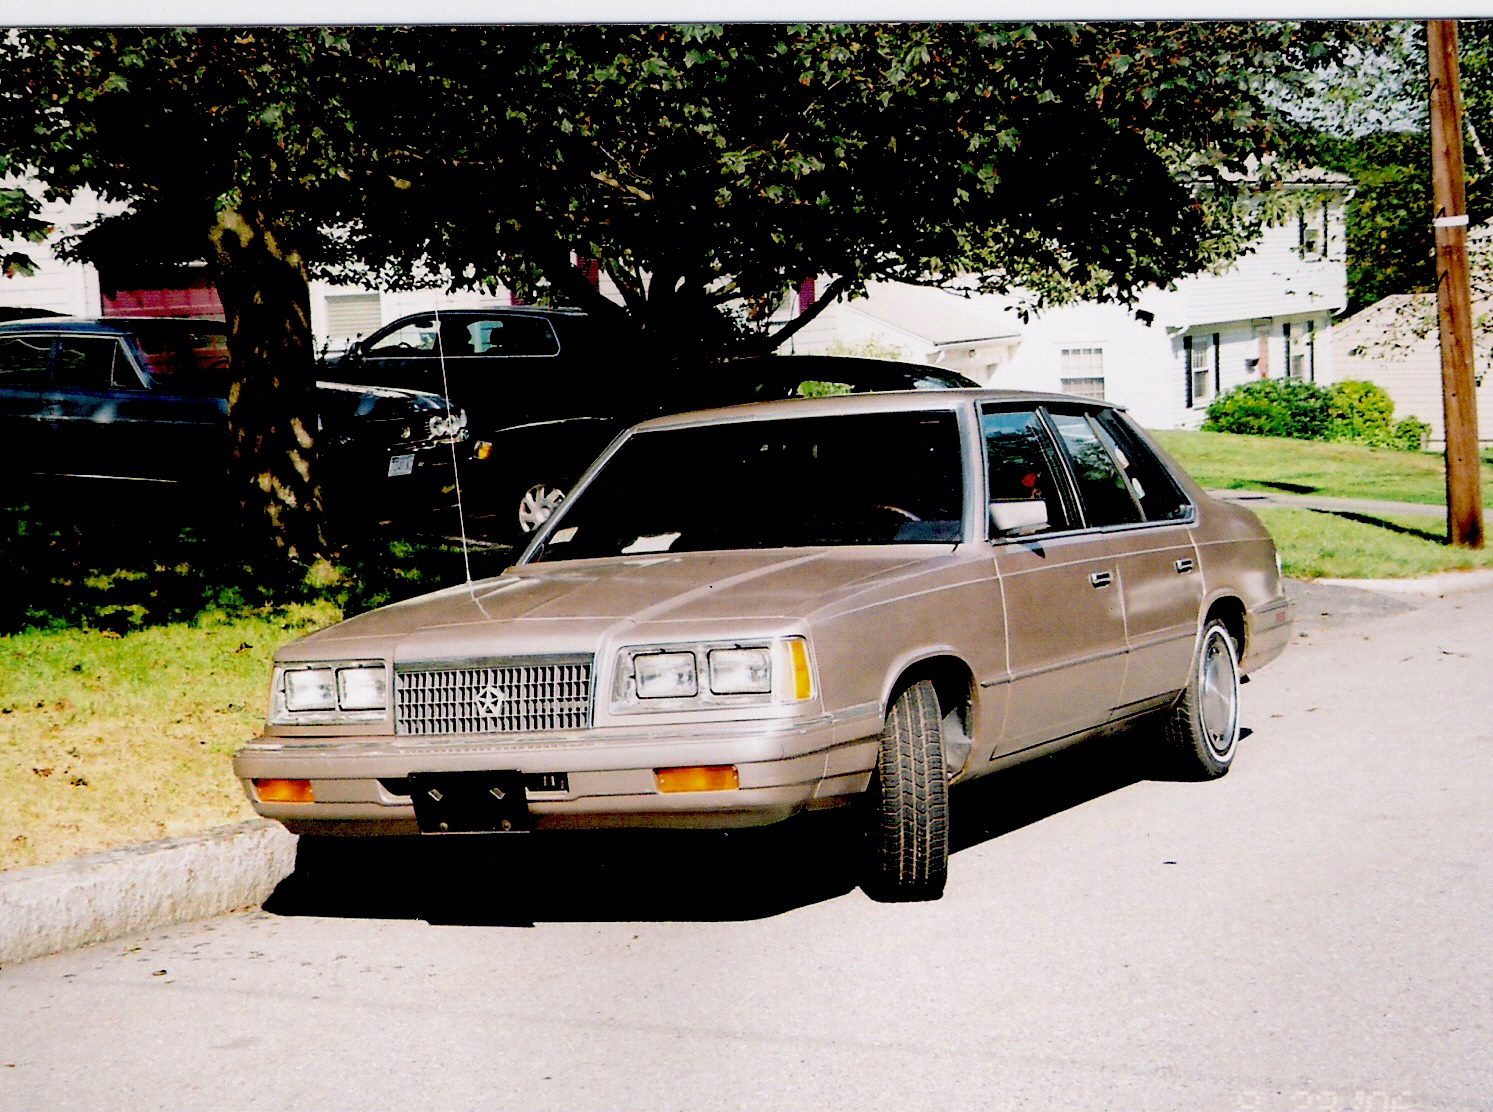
{"x": 909, "y": 804}
{"x": 1203, "y": 732}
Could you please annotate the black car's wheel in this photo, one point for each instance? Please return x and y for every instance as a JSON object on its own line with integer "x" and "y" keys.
{"x": 536, "y": 504}
{"x": 1204, "y": 727}
{"x": 909, "y": 804}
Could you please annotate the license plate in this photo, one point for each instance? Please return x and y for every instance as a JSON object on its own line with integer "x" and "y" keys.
{"x": 469, "y": 802}
{"x": 401, "y": 465}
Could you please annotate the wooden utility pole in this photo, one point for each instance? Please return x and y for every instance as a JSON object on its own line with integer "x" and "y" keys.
{"x": 1464, "y": 500}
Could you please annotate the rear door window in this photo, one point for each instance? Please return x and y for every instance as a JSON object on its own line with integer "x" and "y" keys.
{"x": 95, "y": 363}
{"x": 510, "y": 336}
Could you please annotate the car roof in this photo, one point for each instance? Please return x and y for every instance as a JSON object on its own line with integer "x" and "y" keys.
{"x": 111, "y": 325}
{"x": 889, "y": 401}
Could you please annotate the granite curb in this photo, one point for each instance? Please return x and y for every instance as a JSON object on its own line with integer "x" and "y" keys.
{"x": 119, "y": 892}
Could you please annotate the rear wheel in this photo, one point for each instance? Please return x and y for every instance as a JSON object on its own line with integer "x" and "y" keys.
{"x": 909, "y": 803}
{"x": 1204, "y": 728}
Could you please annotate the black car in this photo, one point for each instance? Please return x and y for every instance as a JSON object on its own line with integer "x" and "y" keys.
{"x": 547, "y": 391}
{"x": 146, "y": 399}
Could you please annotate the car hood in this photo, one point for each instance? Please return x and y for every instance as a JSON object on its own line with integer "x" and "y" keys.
{"x": 574, "y": 607}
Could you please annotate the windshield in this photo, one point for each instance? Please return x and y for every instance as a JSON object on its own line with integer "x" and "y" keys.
{"x": 849, "y": 479}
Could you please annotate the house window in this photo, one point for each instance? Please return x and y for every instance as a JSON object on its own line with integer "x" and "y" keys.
{"x": 1311, "y": 232}
{"x": 1200, "y": 364}
{"x": 1082, "y": 371}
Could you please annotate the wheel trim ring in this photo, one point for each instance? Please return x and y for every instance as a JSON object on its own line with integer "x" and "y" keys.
{"x": 1218, "y": 695}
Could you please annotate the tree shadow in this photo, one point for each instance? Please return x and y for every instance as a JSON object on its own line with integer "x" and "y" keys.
{"x": 1388, "y": 526}
{"x": 680, "y": 876}
{"x": 1288, "y": 488}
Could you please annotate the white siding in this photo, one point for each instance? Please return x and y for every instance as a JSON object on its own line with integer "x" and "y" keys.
{"x": 1410, "y": 370}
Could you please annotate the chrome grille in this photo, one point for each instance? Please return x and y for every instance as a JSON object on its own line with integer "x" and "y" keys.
{"x": 494, "y": 697}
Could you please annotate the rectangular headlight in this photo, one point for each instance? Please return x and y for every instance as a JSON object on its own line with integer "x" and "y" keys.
{"x": 310, "y": 689}
{"x": 741, "y": 671}
{"x": 327, "y": 694}
{"x": 665, "y": 675}
{"x": 362, "y": 688}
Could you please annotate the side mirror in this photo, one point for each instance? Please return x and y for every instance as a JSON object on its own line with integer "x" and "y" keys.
{"x": 1018, "y": 517}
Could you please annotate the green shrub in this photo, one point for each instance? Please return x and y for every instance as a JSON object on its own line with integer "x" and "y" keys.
{"x": 1360, "y": 413}
{"x": 1410, "y": 434}
{"x": 1354, "y": 412}
{"x": 1271, "y": 407}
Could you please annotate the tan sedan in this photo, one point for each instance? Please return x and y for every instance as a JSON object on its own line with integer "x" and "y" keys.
{"x": 750, "y": 612}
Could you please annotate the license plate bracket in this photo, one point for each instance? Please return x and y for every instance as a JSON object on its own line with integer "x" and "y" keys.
{"x": 470, "y": 802}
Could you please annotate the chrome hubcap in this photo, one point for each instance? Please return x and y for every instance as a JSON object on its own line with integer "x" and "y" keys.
{"x": 535, "y": 507}
{"x": 1218, "y": 694}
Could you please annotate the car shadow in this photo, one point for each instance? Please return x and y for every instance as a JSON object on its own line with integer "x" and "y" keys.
{"x": 519, "y": 880}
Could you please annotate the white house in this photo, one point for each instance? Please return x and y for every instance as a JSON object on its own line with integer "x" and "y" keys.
{"x": 1394, "y": 343}
{"x": 1269, "y": 314}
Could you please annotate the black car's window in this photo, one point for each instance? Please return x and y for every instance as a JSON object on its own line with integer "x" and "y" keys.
{"x": 864, "y": 478}
{"x": 1160, "y": 496}
{"x": 94, "y": 363}
{"x": 23, "y": 360}
{"x": 1025, "y": 493}
{"x": 1106, "y": 496}
{"x": 513, "y": 335}
{"x": 417, "y": 336}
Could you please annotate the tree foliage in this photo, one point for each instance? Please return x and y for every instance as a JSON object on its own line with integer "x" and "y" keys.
{"x": 708, "y": 169}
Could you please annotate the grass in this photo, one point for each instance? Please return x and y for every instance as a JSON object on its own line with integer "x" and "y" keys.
{"x": 1315, "y": 545}
{"x": 110, "y": 739}
{"x": 1229, "y": 462}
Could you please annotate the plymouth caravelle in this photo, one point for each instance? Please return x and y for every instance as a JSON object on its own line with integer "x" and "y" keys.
{"x": 750, "y": 612}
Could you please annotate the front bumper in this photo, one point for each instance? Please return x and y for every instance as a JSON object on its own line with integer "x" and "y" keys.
{"x": 783, "y": 767}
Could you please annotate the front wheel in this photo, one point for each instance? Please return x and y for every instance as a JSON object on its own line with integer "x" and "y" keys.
{"x": 1204, "y": 727}
{"x": 535, "y": 506}
{"x": 909, "y": 803}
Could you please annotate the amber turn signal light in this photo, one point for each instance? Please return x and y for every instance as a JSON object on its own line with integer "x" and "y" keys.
{"x": 697, "y": 778}
{"x": 283, "y": 791}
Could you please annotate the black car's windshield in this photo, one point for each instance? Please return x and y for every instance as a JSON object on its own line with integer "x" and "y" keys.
{"x": 863, "y": 478}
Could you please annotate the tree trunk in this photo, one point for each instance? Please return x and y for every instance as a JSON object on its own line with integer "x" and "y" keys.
{"x": 262, "y": 282}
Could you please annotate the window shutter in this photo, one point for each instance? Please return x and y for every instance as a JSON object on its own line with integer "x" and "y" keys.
{"x": 1217, "y": 367}
{"x": 1187, "y": 368}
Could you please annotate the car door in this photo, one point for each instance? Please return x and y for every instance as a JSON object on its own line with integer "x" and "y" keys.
{"x": 1145, "y": 518}
{"x": 27, "y": 412}
{"x": 1065, "y": 621}
{"x": 494, "y": 365}
{"x": 100, "y": 428}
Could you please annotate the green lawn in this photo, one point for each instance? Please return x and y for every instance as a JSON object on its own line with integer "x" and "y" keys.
{"x": 1230, "y": 462}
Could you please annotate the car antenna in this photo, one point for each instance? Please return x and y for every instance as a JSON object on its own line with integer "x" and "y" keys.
{"x": 461, "y": 517}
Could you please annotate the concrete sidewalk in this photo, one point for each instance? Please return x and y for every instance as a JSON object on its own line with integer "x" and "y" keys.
{"x": 1369, "y": 506}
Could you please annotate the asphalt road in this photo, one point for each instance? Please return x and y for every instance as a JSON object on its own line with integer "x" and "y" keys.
{"x": 1310, "y": 932}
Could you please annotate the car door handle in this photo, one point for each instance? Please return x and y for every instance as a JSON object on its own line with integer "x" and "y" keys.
{"x": 1101, "y": 578}
{"x": 1183, "y": 566}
